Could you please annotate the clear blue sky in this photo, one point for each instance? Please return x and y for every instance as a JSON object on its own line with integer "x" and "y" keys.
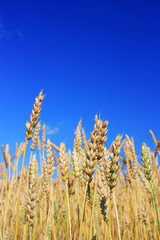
{"x": 89, "y": 57}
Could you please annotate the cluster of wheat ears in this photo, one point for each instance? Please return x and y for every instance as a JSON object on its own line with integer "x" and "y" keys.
{"x": 88, "y": 193}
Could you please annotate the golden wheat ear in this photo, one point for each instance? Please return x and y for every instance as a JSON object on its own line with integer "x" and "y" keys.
{"x": 157, "y": 143}
{"x": 153, "y": 137}
{"x": 63, "y": 162}
{"x": 34, "y": 117}
{"x": 95, "y": 149}
{"x": 35, "y": 136}
{"x": 78, "y": 138}
{"x": 114, "y": 165}
{"x": 49, "y": 156}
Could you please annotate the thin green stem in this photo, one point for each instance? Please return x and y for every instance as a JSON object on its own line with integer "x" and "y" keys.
{"x": 156, "y": 207}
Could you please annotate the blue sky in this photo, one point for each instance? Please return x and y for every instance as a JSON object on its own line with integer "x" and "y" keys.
{"x": 89, "y": 57}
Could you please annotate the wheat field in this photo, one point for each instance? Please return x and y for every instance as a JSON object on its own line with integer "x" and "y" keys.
{"x": 89, "y": 192}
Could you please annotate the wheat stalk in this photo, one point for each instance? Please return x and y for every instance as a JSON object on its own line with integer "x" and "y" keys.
{"x": 30, "y": 126}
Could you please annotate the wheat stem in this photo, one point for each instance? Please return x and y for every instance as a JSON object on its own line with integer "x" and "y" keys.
{"x": 92, "y": 212}
{"x": 83, "y": 211}
{"x": 19, "y": 191}
{"x": 68, "y": 211}
{"x": 115, "y": 206}
{"x": 156, "y": 207}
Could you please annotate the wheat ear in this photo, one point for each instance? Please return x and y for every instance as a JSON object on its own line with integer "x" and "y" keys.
{"x": 30, "y": 128}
